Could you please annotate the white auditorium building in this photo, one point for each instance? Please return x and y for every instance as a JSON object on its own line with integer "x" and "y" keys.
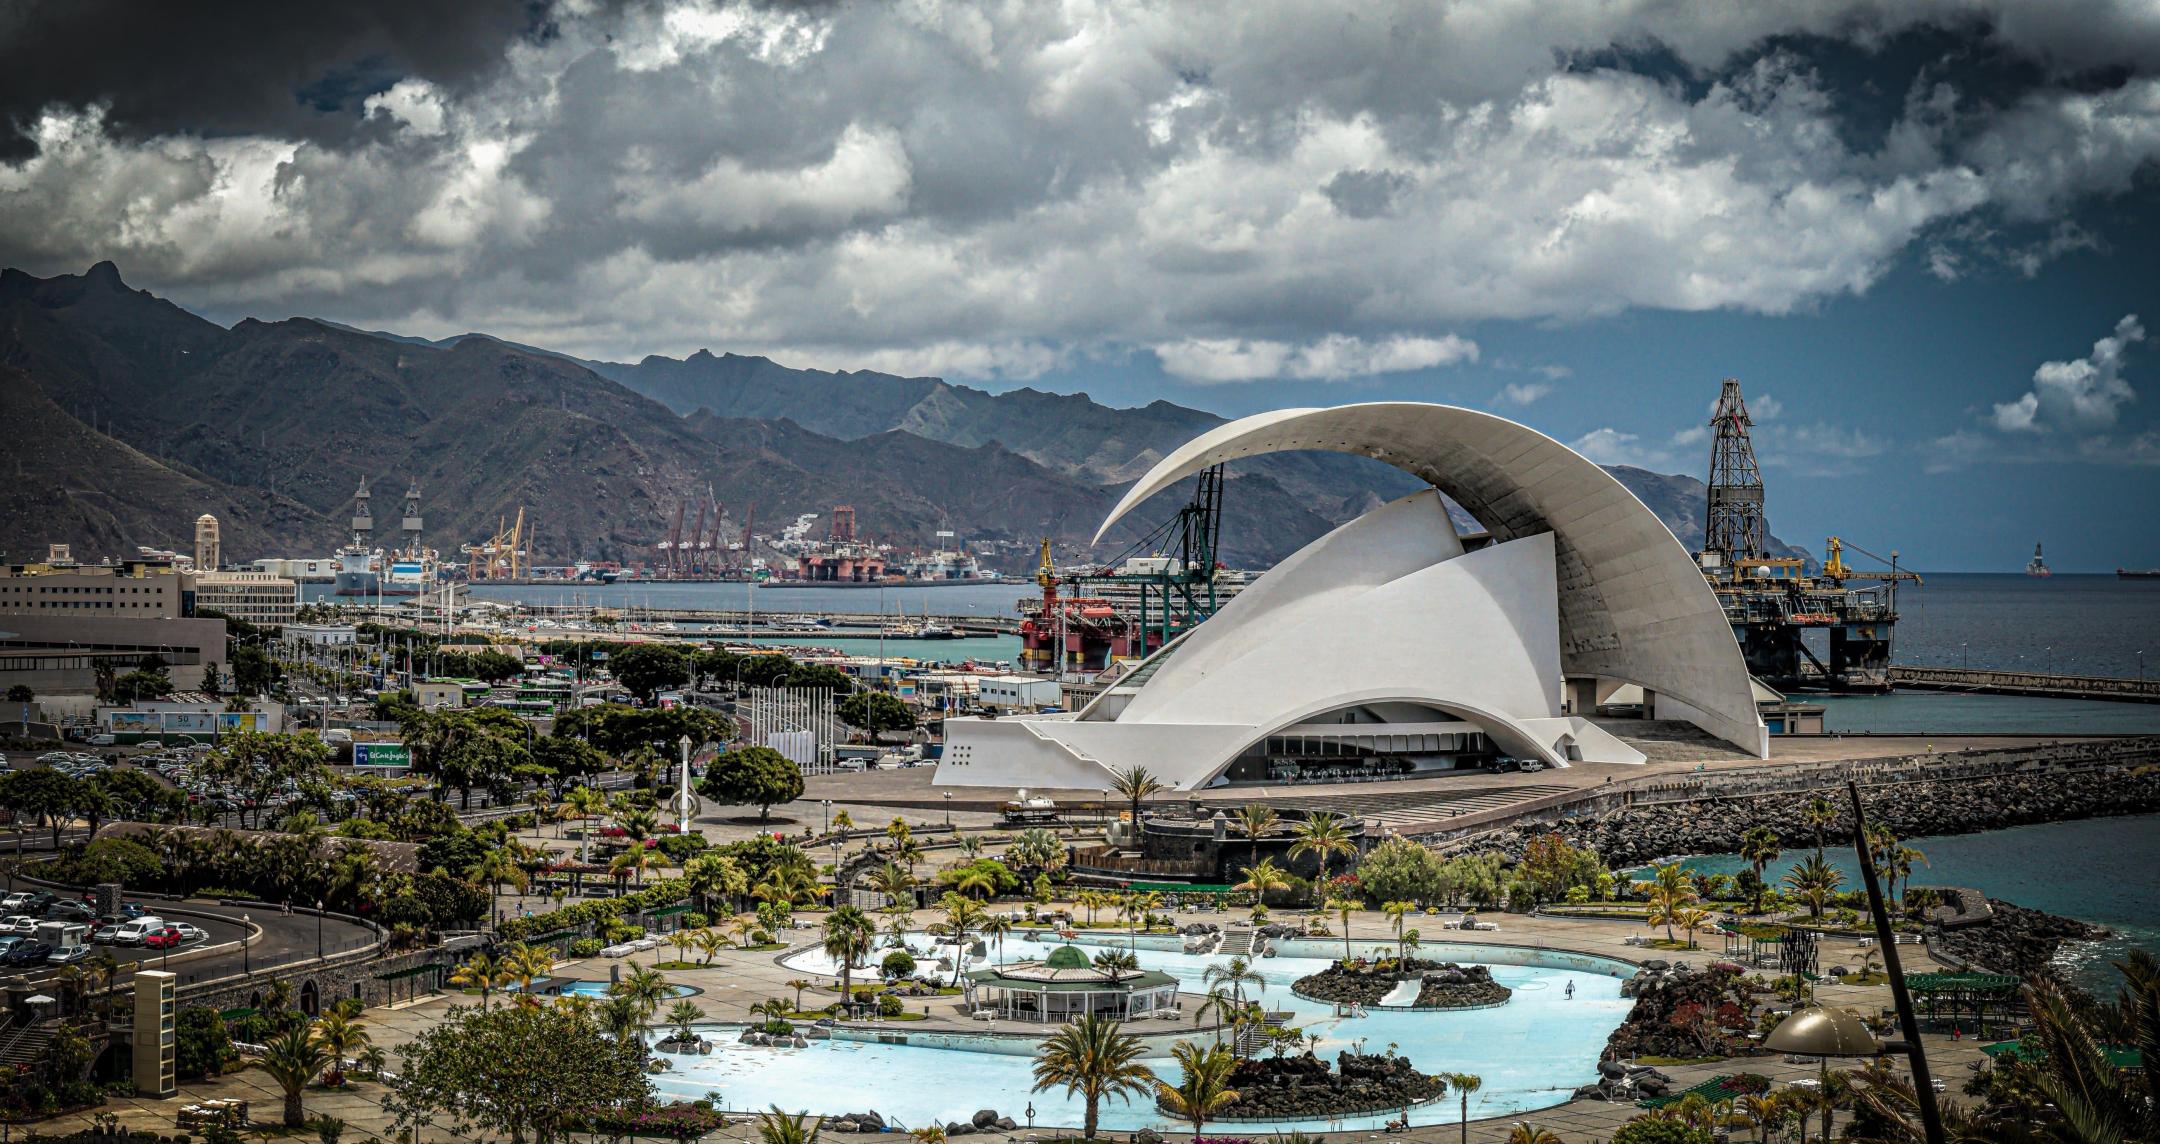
{"x": 1385, "y": 640}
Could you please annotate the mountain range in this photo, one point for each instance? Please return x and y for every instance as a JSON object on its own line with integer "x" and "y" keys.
{"x": 130, "y": 416}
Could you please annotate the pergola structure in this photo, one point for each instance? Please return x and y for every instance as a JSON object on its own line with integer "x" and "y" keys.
{"x": 1066, "y": 986}
{"x": 1949, "y": 996}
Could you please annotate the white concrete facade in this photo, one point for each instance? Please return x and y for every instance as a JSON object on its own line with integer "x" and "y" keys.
{"x": 1385, "y": 629}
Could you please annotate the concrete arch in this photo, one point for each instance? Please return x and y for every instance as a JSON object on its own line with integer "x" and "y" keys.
{"x": 1632, "y": 603}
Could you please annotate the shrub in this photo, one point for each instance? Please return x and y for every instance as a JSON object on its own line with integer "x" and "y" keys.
{"x": 695, "y": 921}
{"x": 889, "y": 1005}
{"x": 202, "y": 1045}
{"x": 586, "y": 947}
{"x": 1653, "y": 1130}
{"x": 899, "y": 963}
{"x": 677, "y": 847}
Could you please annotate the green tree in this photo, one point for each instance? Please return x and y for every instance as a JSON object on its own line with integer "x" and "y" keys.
{"x": 876, "y": 712}
{"x": 1255, "y": 820}
{"x": 645, "y": 670}
{"x": 1204, "y": 1089}
{"x": 752, "y": 776}
{"x": 1324, "y": 833}
{"x": 849, "y": 937}
{"x": 1464, "y": 1084}
{"x": 1651, "y": 1129}
{"x": 1814, "y": 879}
{"x": 137, "y": 685}
{"x": 1134, "y": 785}
{"x": 1671, "y": 894}
{"x": 567, "y": 760}
{"x": 202, "y": 1046}
{"x": 20, "y": 693}
{"x": 1399, "y": 869}
{"x": 526, "y": 1072}
{"x": 292, "y": 1059}
{"x": 43, "y": 793}
{"x": 777, "y": 1127}
{"x": 1759, "y": 846}
{"x": 1094, "y": 1058}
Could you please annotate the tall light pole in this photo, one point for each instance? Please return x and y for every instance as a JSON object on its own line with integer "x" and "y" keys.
{"x": 1908, "y": 1020}
{"x": 682, "y": 794}
{"x": 318, "y": 929}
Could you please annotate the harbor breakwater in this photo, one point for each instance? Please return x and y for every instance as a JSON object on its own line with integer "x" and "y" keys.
{"x": 1916, "y": 796}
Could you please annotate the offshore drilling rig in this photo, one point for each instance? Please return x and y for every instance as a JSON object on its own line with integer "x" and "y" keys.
{"x": 1771, "y": 601}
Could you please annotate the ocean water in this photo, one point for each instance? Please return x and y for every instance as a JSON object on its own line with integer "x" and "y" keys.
{"x": 2101, "y": 870}
{"x": 2072, "y": 625}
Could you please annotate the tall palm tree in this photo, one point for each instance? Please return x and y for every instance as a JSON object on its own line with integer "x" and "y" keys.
{"x": 1901, "y": 867}
{"x": 1669, "y": 892}
{"x": 1091, "y": 901}
{"x": 293, "y": 1058}
{"x": 496, "y": 867}
{"x": 849, "y": 937}
{"x": 798, "y": 984}
{"x": 480, "y": 971}
{"x": 1205, "y": 1088}
{"x": 1759, "y": 846}
{"x": 892, "y": 880}
{"x": 1396, "y": 912}
{"x": 1093, "y": 1057}
{"x": 1464, "y": 1084}
{"x": 1814, "y": 879}
{"x": 1342, "y": 908}
{"x": 1254, "y": 821}
{"x": 584, "y": 803}
{"x": 1134, "y": 785}
{"x": 709, "y": 944}
{"x": 1324, "y": 833}
{"x": 1690, "y": 919}
{"x": 777, "y": 1127}
{"x": 962, "y": 915}
{"x": 1818, "y": 815}
{"x": 995, "y": 927}
{"x": 1237, "y": 973}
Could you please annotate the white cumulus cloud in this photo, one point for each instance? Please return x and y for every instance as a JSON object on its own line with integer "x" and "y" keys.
{"x": 2082, "y": 394}
{"x": 1337, "y": 357}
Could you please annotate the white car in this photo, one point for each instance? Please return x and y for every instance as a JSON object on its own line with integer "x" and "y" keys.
{"x": 133, "y": 932}
{"x": 189, "y": 933}
{"x": 20, "y": 923}
{"x": 103, "y": 740}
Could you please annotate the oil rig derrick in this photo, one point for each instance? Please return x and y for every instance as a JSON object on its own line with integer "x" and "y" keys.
{"x": 1830, "y": 631}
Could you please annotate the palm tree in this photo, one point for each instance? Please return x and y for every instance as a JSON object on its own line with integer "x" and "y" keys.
{"x": 1205, "y": 1089}
{"x": 1260, "y": 877}
{"x": 1111, "y": 962}
{"x": 496, "y": 867}
{"x": 798, "y": 984}
{"x": 1237, "y": 973}
{"x": 849, "y": 937}
{"x": 962, "y": 915}
{"x": 995, "y": 927}
{"x": 646, "y": 987}
{"x": 971, "y": 846}
{"x": 1134, "y": 784}
{"x": 892, "y": 880}
{"x": 709, "y": 944}
{"x": 842, "y": 821}
{"x": 970, "y": 878}
{"x": 1220, "y": 1004}
{"x": 1396, "y": 912}
{"x": 1254, "y": 820}
{"x": 293, "y": 1058}
{"x": 620, "y": 1019}
{"x": 1324, "y": 833}
{"x": 482, "y": 972}
{"x": 635, "y": 860}
{"x": 1464, "y": 1084}
{"x": 1759, "y": 846}
{"x": 1525, "y": 1132}
{"x": 584, "y": 803}
{"x": 1669, "y": 891}
{"x": 1343, "y": 908}
{"x": 1091, "y": 901}
{"x": 1760, "y": 1109}
{"x": 682, "y": 1015}
{"x": 340, "y": 1037}
{"x": 1815, "y": 880}
{"x": 1819, "y": 814}
{"x": 1901, "y": 866}
{"x": 777, "y": 1127}
{"x": 1690, "y": 919}
{"x": 683, "y": 942}
{"x": 1093, "y": 1057}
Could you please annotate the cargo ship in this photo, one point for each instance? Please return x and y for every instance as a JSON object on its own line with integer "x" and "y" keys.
{"x": 2137, "y": 573}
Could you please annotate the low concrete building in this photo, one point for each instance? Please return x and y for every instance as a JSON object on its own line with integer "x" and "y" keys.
{"x": 1016, "y": 692}
{"x": 61, "y": 652}
{"x": 431, "y": 694}
{"x": 256, "y": 597}
{"x": 323, "y": 635}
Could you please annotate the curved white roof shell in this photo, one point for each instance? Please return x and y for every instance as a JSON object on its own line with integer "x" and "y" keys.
{"x": 1385, "y": 630}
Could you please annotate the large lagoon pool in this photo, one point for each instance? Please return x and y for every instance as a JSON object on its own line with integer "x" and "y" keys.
{"x": 1532, "y": 1052}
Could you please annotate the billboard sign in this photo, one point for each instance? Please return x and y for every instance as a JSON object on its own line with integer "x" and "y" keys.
{"x": 396, "y": 756}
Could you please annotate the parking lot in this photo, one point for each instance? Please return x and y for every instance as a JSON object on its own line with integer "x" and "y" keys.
{"x": 221, "y": 928}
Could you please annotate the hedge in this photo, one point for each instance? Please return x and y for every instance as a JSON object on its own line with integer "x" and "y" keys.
{"x": 599, "y": 912}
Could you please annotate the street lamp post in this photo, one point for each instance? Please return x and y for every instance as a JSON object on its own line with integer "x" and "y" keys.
{"x": 948, "y": 810}
{"x": 318, "y": 929}
{"x": 825, "y": 816}
{"x": 246, "y": 965}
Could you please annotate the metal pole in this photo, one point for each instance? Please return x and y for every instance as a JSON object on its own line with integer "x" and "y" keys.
{"x": 1908, "y": 1020}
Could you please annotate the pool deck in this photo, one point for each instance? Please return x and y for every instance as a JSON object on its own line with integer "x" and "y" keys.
{"x": 738, "y": 980}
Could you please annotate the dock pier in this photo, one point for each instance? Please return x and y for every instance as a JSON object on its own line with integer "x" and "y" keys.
{"x": 1982, "y": 681}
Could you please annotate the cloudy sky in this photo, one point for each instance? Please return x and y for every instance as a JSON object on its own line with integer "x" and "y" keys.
{"x": 1920, "y": 232}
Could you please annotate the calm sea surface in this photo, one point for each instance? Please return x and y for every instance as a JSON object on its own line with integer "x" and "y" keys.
{"x": 2102, "y": 870}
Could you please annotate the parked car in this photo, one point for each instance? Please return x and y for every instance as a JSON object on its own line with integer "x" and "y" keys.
{"x": 14, "y": 903}
{"x": 70, "y": 912}
{"x": 165, "y": 938}
{"x": 189, "y": 933}
{"x": 105, "y": 739}
{"x": 8, "y": 942}
{"x": 134, "y": 931}
{"x": 68, "y": 956}
{"x": 20, "y": 923}
{"x": 27, "y": 952}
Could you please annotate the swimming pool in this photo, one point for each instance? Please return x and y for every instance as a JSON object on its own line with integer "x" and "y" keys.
{"x": 1532, "y": 1052}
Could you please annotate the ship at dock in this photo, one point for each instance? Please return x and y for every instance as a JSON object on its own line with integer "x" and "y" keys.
{"x": 364, "y": 570}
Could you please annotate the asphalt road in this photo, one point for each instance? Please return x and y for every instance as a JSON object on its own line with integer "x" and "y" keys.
{"x": 285, "y": 939}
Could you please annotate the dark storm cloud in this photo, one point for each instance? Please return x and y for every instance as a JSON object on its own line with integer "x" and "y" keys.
{"x": 289, "y": 68}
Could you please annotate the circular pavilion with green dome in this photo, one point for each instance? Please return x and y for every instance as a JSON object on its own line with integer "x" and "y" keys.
{"x": 1066, "y": 986}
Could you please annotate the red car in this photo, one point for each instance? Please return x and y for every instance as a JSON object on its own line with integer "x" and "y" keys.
{"x": 162, "y": 939}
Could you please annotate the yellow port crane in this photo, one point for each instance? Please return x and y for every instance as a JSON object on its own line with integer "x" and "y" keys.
{"x": 1836, "y": 571}
{"x": 501, "y": 556}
